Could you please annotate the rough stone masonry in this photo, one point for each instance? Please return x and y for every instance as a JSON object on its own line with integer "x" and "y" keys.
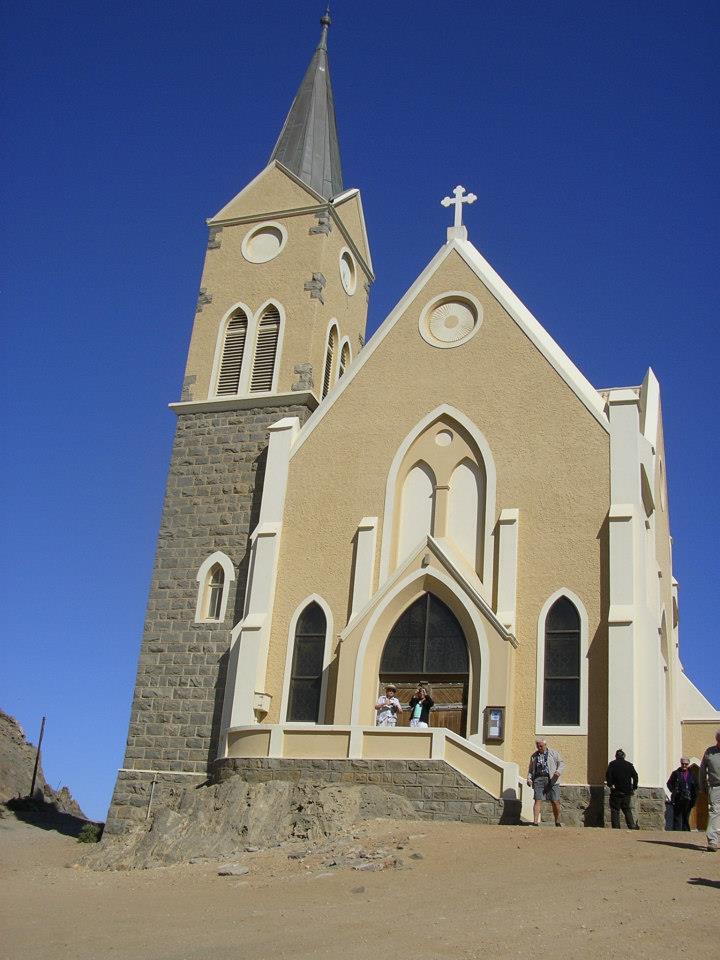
{"x": 212, "y": 502}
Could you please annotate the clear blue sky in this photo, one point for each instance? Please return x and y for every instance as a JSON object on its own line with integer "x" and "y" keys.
{"x": 589, "y": 133}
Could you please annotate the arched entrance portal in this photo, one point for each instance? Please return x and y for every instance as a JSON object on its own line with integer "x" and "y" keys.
{"x": 427, "y": 644}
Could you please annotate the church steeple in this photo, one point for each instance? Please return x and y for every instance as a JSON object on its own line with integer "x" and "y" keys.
{"x": 308, "y": 143}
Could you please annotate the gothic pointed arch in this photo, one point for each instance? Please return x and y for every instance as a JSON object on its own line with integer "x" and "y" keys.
{"x": 458, "y": 458}
{"x": 308, "y": 652}
{"x": 391, "y": 606}
{"x": 230, "y": 363}
{"x": 267, "y": 335}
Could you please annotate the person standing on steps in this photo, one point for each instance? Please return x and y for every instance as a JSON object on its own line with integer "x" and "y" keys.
{"x": 544, "y": 771}
{"x": 710, "y": 784}
{"x": 622, "y": 778}
{"x": 421, "y": 704}
{"x": 683, "y": 794}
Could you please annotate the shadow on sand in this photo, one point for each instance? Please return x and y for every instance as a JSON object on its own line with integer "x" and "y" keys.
{"x": 39, "y": 813}
{"x": 676, "y": 843}
{"x": 703, "y": 882}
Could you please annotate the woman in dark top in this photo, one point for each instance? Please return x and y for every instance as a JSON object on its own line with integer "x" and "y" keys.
{"x": 420, "y": 705}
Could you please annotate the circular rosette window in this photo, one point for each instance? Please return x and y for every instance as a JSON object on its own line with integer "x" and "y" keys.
{"x": 450, "y": 320}
{"x": 264, "y": 243}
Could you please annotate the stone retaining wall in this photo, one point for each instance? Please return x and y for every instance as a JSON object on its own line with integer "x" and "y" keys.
{"x": 439, "y": 792}
{"x": 435, "y": 789}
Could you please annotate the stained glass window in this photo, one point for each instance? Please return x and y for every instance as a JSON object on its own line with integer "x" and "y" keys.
{"x": 561, "y": 695}
{"x": 426, "y": 639}
{"x": 307, "y": 667}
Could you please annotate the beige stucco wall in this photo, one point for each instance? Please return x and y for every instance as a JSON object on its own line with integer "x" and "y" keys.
{"x": 230, "y": 279}
{"x": 552, "y": 463}
{"x": 697, "y": 736}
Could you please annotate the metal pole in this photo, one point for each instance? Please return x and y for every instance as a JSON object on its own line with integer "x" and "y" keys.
{"x": 150, "y": 799}
{"x": 37, "y": 758}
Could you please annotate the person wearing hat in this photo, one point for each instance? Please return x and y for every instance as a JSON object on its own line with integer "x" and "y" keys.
{"x": 683, "y": 794}
{"x": 388, "y": 707}
{"x": 622, "y": 778}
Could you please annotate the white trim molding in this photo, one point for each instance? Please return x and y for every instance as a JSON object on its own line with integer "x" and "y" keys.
{"x": 201, "y": 578}
{"x": 391, "y": 494}
{"x": 507, "y": 553}
{"x": 364, "y": 568}
{"x": 581, "y": 728}
{"x": 247, "y": 239}
{"x": 351, "y": 286}
{"x": 327, "y": 655}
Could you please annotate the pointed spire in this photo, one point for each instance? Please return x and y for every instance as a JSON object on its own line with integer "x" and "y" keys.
{"x": 308, "y": 143}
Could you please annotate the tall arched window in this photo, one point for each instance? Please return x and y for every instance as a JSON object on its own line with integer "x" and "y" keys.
{"x": 232, "y": 354}
{"x": 330, "y": 352}
{"x": 307, "y": 665}
{"x": 562, "y": 665}
{"x": 214, "y": 592}
{"x": 266, "y": 350}
{"x": 344, "y": 359}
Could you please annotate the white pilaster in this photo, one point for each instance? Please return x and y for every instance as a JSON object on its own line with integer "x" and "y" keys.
{"x": 623, "y": 579}
{"x": 507, "y": 532}
{"x": 364, "y": 563}
{"x": 244, "y": 687}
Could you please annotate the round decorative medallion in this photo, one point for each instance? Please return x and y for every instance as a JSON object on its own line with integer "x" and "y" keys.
{"x": 348, "y": 272}
{"x": 450, "y": 320}
{"x": 443, "y": 438}
{"x": 264, "y": 242}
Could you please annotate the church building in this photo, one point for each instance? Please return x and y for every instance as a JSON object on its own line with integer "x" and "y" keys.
{"x": 452, "y": 502}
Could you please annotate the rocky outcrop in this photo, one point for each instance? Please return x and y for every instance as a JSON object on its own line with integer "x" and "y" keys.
{"x": 17, "y": 759}
{"x": 221, "y": 820}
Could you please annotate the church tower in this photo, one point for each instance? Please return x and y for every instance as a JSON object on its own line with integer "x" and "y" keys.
{"x": 280, "y": 315}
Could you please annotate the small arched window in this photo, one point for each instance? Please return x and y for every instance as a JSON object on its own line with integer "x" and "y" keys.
{"x": 344, "y": 359}
{"x": 266, "y": 351}
{"x": 307, "y": 665}
{"x": 214, "y": 592}
{"x": 214, "y": 577}
{"x": 329, "y": 360}
{"x": 232, "y": 354}
{"x": 561, "y": 680}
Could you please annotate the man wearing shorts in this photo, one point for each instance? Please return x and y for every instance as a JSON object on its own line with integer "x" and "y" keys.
{"x": 544, "y": 771}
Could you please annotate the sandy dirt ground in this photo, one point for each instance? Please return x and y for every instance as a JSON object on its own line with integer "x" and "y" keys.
{"x": 475, "y": 891}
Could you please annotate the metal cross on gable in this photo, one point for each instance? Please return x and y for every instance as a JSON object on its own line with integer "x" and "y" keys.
{"x": 458, "y": 231}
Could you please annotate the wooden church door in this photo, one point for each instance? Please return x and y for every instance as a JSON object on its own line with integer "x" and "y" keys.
{"x": 427, "y": 645}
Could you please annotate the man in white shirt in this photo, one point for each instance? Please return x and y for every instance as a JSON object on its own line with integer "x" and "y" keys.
{"x": 388, "y": 707}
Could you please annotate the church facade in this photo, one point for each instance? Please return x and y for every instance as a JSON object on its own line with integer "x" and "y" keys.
{"x": 451, "y": 502}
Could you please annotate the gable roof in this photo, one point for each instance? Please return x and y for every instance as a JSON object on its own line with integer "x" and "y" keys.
{"x": 515, "y": 308}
